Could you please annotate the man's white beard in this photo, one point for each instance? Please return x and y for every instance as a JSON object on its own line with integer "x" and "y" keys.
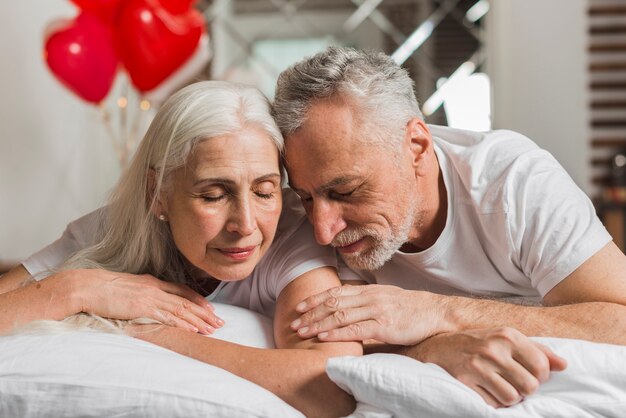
{"x": 383, "y": 248}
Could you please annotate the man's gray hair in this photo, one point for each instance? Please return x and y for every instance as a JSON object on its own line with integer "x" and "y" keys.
{"x": 380, "y": 91}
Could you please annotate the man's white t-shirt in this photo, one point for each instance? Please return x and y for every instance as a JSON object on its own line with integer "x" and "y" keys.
{"x": 293, "y": 253}
{"x": 517, "y": 224}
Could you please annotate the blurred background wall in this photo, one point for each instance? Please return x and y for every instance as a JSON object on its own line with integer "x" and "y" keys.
{"x": 56, "y": 157}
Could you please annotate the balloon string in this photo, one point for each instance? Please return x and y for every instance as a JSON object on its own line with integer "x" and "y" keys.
{"x": 137, "y": 122}
{"x": 106, "y": 119}
{"x": 124, "y": 134}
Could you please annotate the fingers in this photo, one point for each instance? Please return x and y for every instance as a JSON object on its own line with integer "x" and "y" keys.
{"x": 533, "y": 360}
{"x": 331, "y": 306}
{"x": 354, "y": 332}
{"x": 171, "y": 320}
{"x": 335, "y": 292}
{"x": 520, "y": 380}
{"x": 191, "y": 316}
{"x": 486, "y": 396}
{"x": 557, "y": 363}
{"x": 185, "y": 292}
{"x": 189, "y": 310}
{"x": 309, "y": 325}
{"x": 503, "y": 365}
{"x": 500, "y": 391}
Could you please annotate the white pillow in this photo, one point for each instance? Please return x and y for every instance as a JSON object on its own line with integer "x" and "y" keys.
{"x": 594, "y": 384}
{"x": 93, "y": 374}
{"x": 244, "y": 326}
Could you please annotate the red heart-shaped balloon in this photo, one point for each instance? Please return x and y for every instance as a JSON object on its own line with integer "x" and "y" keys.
{"x": 105, "y": 9}
{"x": 81, "y": 54}
{"x": 176, "y": 7}
{"x": 153, "y": 43}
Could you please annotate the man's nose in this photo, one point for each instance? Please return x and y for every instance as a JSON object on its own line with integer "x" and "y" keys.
{"x": 327, "y": 220}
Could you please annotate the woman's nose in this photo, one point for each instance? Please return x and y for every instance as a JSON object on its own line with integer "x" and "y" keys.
{"x": 242, "y": 219}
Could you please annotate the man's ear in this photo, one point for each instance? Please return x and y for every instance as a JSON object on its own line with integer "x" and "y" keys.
{"x": 155, "y": 201}
{"x": 420, "y": 144}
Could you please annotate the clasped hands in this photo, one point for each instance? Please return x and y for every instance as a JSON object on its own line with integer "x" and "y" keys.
{"x": 500, "y": 364}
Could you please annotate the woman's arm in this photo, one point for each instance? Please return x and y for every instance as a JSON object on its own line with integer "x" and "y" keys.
{"x": 21, "y": 303}
{"x": 103, "y": 293}
{"x": 296, "y": 371}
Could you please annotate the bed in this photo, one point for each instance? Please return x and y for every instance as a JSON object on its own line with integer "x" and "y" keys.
{"x": 93, "y": 374}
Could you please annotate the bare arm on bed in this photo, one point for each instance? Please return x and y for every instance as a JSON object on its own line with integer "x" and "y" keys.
{"x": 107, "y": 294}
{"x": 589, "y": 304}
{"x": 295, "y": 371}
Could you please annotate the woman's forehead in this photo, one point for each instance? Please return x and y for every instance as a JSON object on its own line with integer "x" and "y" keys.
{"x": 249, "y": 150}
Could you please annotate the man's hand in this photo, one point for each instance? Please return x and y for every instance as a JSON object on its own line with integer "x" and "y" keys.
{"x": 384, "y": 313}
{"x": 129, "y": 296}
{"x": 500, "y": 364}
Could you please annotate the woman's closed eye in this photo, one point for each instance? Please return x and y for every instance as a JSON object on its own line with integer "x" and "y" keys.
{"x": 266, "y": 190}
{"x": 264, "y": 195}
{"x": 214, "y": 194}
{"x": 213, "y": 198}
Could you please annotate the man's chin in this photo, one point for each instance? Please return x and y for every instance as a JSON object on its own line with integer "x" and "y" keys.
{"x": 364, "y": 261}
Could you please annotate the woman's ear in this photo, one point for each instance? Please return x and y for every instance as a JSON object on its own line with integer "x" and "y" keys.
{"x": 420, "y": 144}
{"x": 155, "y": 201}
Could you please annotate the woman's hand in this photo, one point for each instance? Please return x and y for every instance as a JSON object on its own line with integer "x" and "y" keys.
{"x": 130, "y": 296}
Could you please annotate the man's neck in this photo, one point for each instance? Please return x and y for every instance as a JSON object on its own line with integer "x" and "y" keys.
{"x": 433, "y": 221}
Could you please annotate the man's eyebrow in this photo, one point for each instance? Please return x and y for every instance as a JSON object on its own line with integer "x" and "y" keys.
{"x": 294, "y": 188}
{"x": 339, "y": 181}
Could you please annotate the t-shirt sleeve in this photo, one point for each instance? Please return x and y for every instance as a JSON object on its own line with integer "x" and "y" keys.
{"x": 293, "y": 255}
{"x": 77, "y": 235}
{"x": 552, "y": 223}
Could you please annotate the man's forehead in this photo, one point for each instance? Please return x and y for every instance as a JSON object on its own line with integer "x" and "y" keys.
{"x": 325, "y": 121}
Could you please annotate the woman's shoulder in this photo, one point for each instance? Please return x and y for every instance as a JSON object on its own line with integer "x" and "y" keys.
{"x": 292, "y": 215}
{"x": 295, "y": 234}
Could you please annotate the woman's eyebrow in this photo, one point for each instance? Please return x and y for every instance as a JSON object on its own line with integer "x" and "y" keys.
{"x": 230, "y": 182}
{"x": 267, "y": 177}
{"x": 214, "y": 180}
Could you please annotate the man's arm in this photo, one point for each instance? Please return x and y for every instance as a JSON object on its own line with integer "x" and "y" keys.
{"x": 445, "y": 330}
{"x": 501, "y": 364}
{"x": 295, "y": 371}
{"x": 589, "y": 304}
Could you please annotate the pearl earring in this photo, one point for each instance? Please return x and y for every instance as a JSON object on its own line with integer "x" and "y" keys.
{"x": 162, "y": 217}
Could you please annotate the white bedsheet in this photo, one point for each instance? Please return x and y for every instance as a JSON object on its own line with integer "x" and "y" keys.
{"x": 91, "y": 374}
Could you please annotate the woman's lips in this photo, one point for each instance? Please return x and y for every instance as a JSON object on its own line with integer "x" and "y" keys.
{"x": 238, "y": 253}
{"x": 352, "y": 248}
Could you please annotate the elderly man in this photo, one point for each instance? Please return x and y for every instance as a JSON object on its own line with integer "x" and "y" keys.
{"x": 441, "y": 223}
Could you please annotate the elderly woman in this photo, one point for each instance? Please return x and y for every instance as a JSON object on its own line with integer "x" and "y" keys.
{"x": 199, "y": 207}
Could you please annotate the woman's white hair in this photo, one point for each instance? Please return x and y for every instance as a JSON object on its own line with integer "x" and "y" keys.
{"x": 130, "y": 238}
{"x": 379, "y": 91}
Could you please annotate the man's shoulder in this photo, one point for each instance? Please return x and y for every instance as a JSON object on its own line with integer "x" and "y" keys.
{"x": 485, "y": 164}
{"x": 478, "y": 145}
